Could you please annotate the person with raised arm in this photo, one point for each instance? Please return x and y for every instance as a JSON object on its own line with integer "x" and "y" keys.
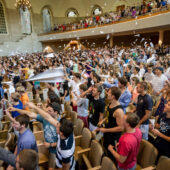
{"x": 26, "y": 138}
{"x": 65, "y": 144}
{"x": 50, "y": 134}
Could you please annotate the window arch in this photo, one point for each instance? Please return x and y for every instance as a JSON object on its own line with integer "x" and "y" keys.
{"x": 47, "y": 19}
{"x": 97, "y": 10}
{"x": 25, "y": 17}
{"x": 3, "y": 27}
{"x": 70, "y": 13}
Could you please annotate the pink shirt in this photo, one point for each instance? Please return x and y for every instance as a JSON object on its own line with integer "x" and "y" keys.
{"x": 129, "y": 144}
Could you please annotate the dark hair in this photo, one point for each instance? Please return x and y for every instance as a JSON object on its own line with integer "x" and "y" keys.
{"x": 66, "y": 127}
{"x": 28, "y": 159}
{"x": 135, "y": 79}
{"x": 53, "y": 97}
{"x": 115, "y": 91}
{"x": 83, "y": 87}
{"x": 98, "y": 87}
{"x": 132, "y": 119}
{"x": 77, "y": 75}
{"x": 56, "y": 107}
{"x": 123, "y": 81}
{"x": 23, "y": 120}
{"x": 97, "y": 77}
{"x": 144, "y": 85}
{"x": 129, "y": 67}
{"x": 137, "y": 69}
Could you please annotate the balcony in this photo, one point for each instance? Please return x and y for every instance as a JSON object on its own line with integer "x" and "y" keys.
{"x": 148, "y": 23}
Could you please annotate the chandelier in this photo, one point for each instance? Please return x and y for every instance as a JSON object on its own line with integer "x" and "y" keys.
{"x": 23, "y": 4}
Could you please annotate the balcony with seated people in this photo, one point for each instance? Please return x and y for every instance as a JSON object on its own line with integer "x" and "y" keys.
{"x": 125, "y": 21}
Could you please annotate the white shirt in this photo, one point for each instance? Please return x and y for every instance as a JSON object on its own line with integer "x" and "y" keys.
{"x": 149, "y": 77}
{"x": 158, "y": 82}
{"x": 75, "y": 88}
{"x": 141, "y": 72}
{"x": 167, "y": 73}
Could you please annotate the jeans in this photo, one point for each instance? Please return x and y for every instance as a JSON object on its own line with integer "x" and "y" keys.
{"x": 7, "y": 157}
{"x": 133, "y": 168}
{"x": 145, "y": 131}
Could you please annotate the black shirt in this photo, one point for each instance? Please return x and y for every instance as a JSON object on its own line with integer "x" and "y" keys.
{"x": 65, "y": 88}
{"x": 89, "y": 84}
{"x": 109, "y": 137}
{"x": 163, "y": 145}
{"x": 95, "y": 107}
{"x": 144, "y": 103}
{"x": 16, "y": 80}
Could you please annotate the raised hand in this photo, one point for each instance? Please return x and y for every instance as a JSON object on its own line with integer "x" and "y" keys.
{"x": 11, "y": 109}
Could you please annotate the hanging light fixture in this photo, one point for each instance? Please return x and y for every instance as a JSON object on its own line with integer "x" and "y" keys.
{"x": 23, "y": 4}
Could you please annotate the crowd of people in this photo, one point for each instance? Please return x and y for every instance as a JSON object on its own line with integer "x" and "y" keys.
{"x": 115, "y": 92}
{"x": 111, "y": 17}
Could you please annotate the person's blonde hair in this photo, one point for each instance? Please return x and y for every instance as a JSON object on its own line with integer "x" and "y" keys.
{"x": 15, "y": 96}
{"x": 149, "y": 88}
{"x": 21, "y": 89}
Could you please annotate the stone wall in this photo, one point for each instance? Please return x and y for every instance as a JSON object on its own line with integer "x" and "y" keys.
{"x": 58, "y": 9}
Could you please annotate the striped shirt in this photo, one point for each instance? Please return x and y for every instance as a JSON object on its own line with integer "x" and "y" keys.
{"x": 65, "y": 151}
{"x": 158, "y": 83}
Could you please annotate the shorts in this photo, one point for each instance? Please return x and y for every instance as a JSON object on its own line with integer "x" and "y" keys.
{"x": 51, "y": 160}
{"x": 92, "y": 127}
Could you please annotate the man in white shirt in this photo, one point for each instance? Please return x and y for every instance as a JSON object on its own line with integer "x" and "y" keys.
{"x": 142, "y": 70}
{"x": 135, "y": 73}
{"x": 158, "y": 81}
{"x": 149, "y": 75}
{"x": 75, "y": 83}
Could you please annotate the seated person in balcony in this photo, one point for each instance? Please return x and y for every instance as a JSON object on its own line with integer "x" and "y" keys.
{"x": 162, "y": 131}
{"x": 129, "y": 143}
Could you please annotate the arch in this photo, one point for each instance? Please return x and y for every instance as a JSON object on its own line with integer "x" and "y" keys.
{"x": 71, "y": 12}
{"x": 48, "y": 24}
{"x": 97, "y": 10}
{"x": 3, "y": 21}
{"x": 26, "y": 20}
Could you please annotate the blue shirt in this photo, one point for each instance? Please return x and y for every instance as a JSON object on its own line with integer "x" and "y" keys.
{"x": 163, "y": 3}
{"x": 125, "y": 99}
{"x": 26, "y": 140}
{"x": 18, "y": 106}
{"x": 1, "y": 93}
{"x": 108, "y": 85}
{"x": 50, "y": 133}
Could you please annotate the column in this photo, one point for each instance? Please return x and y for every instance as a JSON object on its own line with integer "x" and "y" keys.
{"x": 161, "y": 37}
{"x": 111, "y": 40}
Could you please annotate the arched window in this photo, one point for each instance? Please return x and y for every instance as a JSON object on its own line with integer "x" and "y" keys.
{"x": 46, "y": 14}
{"x": 97, "y": 10}
{"x": 72, "y": 13}
{"x": 3, "y": 27}
{"x": 25, "y": 15}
